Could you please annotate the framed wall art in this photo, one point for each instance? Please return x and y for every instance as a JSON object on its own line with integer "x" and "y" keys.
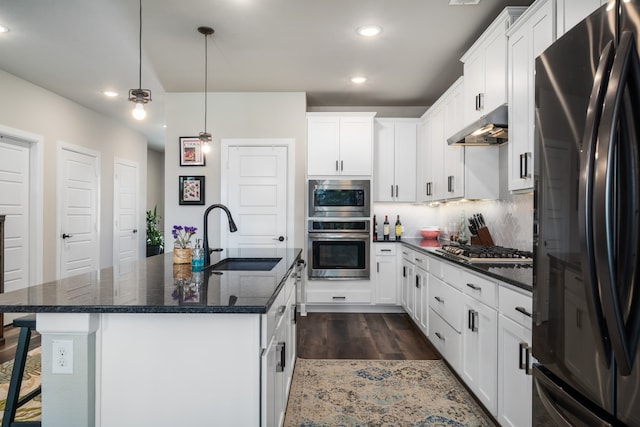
{"x": 191, "y": 190}
{"x": 191, "y": 153}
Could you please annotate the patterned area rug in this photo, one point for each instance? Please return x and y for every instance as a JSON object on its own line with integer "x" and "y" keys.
{"x": 30, "y": 411}
{"x": 379, "y": 393}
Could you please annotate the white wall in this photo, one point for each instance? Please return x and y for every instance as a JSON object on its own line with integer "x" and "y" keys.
{"x": 230, "y": 115}
{"x": 32, "y": 109}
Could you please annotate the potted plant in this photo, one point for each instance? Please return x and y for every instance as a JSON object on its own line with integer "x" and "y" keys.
{"x": 155, "y": 239}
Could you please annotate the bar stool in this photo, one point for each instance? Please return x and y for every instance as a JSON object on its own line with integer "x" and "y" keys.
{"x": 26, "y": 325}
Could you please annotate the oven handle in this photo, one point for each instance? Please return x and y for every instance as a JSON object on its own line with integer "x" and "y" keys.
{"x": 338, "y": 236}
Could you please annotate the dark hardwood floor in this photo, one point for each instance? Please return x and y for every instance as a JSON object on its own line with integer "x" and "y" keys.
{"x": 361, "y": 336}
{"x": 8, "y": 349}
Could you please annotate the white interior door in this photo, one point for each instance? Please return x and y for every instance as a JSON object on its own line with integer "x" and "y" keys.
{"x": 79, "y": 175}
{"x": 125, "y": 205}
{"x": 15, "y": 204}
{"x": 257, "y": 196}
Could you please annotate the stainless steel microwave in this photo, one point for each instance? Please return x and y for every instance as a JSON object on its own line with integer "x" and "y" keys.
{"x": 339, "y": 198}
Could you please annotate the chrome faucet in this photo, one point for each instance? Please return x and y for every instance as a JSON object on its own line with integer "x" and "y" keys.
{"x": 232, "y": 228}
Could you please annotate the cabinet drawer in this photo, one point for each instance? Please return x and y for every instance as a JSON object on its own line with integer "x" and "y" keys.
{"x": 482, "y": 289}
{"x": 446, "y": 301}
{"x": 421, "y": 260}
{"x": 517, "y": 306}
{"x": 452, "y": 275}
{"x": 384, "y": 249}
{"x": 435, "y": 267}
{"x": 275, "y": 315}
{"x": 407, "y": 254}
{"x": 339, "y": 297}
{"x": 446, "y": 340}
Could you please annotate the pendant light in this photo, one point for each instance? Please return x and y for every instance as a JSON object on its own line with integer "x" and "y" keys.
{"x": 140, "y": 96}
{"x": 205, "y": 137}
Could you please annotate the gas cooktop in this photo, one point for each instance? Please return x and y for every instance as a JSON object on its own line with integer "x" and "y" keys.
{"x": 486, "y": 254}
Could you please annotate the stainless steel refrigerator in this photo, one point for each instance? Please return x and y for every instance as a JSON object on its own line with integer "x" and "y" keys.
{"x": 587, "y": 223}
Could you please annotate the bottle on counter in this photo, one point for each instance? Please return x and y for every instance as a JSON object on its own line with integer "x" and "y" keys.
{"x": 197, "y": 256}
{"x": 375, "y": 228}
{"x": 385, "y": 228}
{"x": 398, "y": 228}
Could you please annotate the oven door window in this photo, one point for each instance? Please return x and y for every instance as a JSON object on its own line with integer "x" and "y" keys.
{"x": 349, "y": 254}
{"x": 326, "y": 197}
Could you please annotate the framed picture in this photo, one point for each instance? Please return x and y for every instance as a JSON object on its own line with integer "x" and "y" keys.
{"x": 191, "y": 190}
{"x": 191, "y": 153}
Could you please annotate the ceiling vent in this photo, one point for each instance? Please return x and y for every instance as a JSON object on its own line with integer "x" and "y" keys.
{"x": 463, "y": 2}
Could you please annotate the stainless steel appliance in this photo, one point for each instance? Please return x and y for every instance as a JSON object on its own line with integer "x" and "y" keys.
{"x": 586, "y": 292}
{"x": 485, "y": 254}
{"x": 339, "y": 198}
{"x": 338, "y": 249}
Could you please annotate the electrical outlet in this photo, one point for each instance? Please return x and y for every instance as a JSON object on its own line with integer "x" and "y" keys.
{"x": 62, "y": 357}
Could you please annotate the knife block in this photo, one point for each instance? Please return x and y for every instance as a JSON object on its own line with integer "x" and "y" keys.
{"x": 485, "y": 237}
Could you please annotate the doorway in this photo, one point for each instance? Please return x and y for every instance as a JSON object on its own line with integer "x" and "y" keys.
{"x": 257, "y": 187}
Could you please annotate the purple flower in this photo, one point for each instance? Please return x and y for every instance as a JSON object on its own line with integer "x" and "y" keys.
{"x": 182, "y": 235}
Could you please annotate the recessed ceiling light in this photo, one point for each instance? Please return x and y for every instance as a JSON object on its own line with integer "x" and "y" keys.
{"x": 369, "y": 30}
{"x": 4, "y": 29}
{"x": 358, "y": 79}
{"x": 463, "y": 2}
{"x": 110, "y": 93}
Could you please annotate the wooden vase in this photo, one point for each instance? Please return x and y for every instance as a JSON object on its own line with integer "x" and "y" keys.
{"x": 182, "y": 256}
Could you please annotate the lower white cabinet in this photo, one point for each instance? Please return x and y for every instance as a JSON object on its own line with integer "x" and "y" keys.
{"x": 278, "y": 358}
{"x": 421, "y": 294}
{"x": 386, "y": 272}
{"x": 406, "y": 283}
{"x": 445, "y": 339}
{"x": 514, "y": 349}
{"x": 480, "y": 352}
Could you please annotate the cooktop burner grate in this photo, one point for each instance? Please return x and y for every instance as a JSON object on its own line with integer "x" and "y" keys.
{"x": 479, "y": 253}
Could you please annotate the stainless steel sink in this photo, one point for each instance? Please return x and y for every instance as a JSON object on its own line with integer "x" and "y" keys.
{"x": 247, "y": 264}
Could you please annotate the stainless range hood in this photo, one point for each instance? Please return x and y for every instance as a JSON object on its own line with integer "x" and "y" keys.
{"x": 490, "y": 129}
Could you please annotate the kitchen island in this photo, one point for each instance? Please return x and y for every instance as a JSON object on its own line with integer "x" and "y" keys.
{"x": 154, "y": 343}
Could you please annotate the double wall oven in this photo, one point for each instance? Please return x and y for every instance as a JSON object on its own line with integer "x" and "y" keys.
{"x": 338, "y": 237}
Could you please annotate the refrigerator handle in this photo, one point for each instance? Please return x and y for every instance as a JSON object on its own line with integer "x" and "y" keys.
{"x": 585, "y": 199}
{"x": 615, "y": 218}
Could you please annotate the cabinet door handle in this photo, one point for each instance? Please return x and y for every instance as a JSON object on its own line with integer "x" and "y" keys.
{"x": 450, "y": 183}
{"x": 474, "y": 287}
{"x": 527, "y": 155}
{"x": 523, "y": 166}
{"x": 378, "y": 267}
{"x": 397, "y": 194}
{"x": 341, "y": 165}
{"x": 527, "y": 360}
{"x": 440, "y": 336}
{"x": 476, "y": 321}
{"x": 280, "y": 347}
{"x": 440, "y": 300}
{"x": 385, "y": 250}
{"x": 404, "y": 271}
{"x": 339, "y": 298}
{"x": 392, "y": 191}
{"x": 417, "y": 281}
{"x": 522, "y": 360}
{"x": 294, "y": 317}
{"x": 470, "y": 319}
{"x": 523, "y": 311}
{"x": 337, "y": 166}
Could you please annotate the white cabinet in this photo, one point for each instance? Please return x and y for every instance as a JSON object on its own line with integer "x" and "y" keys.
{"x": 386, "y": 273}
{"x": 528, "y": 38}
{"x": 406, "y": 285}
{"x": 485, "y": 68}
{"x": 453, "y": 172}
{"x": 279, "y": 355}
{"x": 479, "y": 359}
{"x": 339, "y": 144}
{"x": 394, "y": 172}
{"x": 570, "y": 12}
{"x": 414, "y": 287}
{"x": 514, "y": 349}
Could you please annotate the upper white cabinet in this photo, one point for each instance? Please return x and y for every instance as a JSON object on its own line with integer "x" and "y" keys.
{"x": 453, "y": 172}
{"x": 394, "y": 157}
{"x": 485, "y": 68}
{"x": 339, "y": 144}
{"x": 528, "y": 38}
{"x": 570, "y": 12}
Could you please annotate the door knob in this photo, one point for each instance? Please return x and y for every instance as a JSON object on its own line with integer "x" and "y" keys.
{"x": 66, "y": 236}
{"x": 135, "y": 230}
{"x": 280, "y": 239}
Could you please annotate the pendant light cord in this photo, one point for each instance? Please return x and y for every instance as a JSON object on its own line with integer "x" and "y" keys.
{"x": 140, "y": 47}
{"x": 206, "y": 63}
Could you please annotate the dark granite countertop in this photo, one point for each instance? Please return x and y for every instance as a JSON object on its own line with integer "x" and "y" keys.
{"x": 519, "y": 275}
{"x": 156, "y": 285}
